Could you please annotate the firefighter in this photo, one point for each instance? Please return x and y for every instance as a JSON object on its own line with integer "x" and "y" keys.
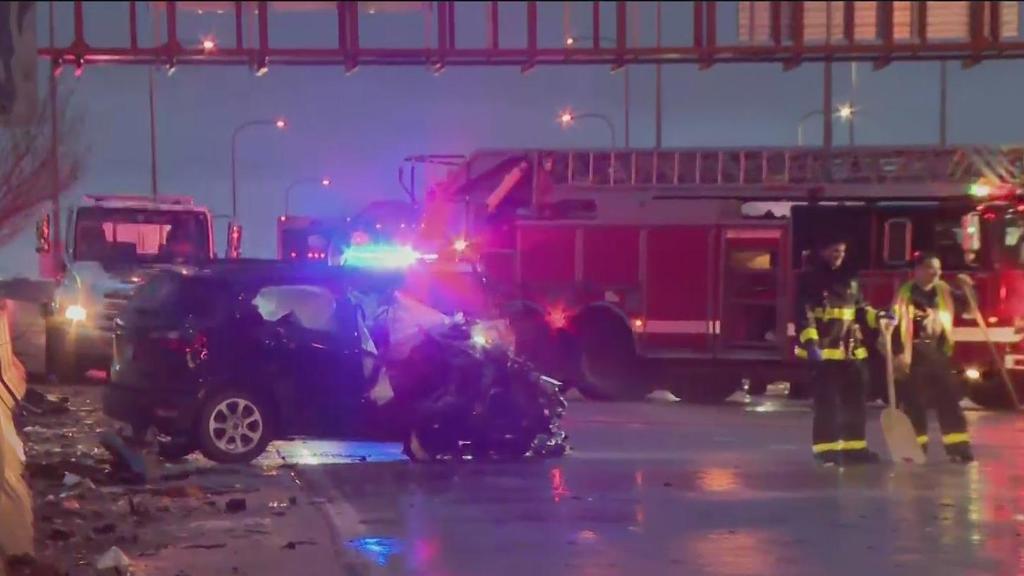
{"x": 923, "y": 346}
{"x": 831, "y": 318}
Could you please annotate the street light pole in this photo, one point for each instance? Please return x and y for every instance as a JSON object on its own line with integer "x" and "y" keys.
{"x": 568, "y": 118}
{"x": 800, "y": 125}
{"x": 325, "y": 182}
{"x": 572, "y": 40}
{"x": 279, "y": 124}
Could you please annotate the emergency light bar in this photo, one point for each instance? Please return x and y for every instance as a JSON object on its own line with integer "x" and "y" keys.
{"x": 381, "y": 256}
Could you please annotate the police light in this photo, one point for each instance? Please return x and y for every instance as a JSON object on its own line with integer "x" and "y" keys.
{"x": 980, "y": 190}
{"x": 379, "y": 256}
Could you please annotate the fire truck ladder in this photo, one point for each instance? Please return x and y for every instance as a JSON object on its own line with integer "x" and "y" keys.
{"x": 782, "y": 174}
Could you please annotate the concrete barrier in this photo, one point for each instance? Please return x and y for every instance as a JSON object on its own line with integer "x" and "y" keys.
{"x": 16, "y": 534}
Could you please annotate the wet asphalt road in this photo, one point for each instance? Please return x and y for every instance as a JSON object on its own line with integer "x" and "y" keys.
{"x": 656, "y": 488}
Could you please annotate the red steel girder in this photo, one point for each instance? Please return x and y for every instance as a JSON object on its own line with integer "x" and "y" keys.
{"x": 983, "y": 43}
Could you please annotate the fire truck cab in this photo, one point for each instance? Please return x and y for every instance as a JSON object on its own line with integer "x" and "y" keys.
{"x": 623, "y": 268}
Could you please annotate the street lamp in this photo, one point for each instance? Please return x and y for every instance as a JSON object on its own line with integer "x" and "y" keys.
{"x": 844, "y": 112}
{"x": 567, "y": 118}
{"x": 278, "y": 123}
{"x": 571, "y": 41}
{"x": 325, "y": 182}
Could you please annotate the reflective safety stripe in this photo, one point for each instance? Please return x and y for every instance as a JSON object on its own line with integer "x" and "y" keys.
{"x": 853, "y": 445}
{"x": 835, "y": 313}
{"x": 826, "y": 447}
{"x": 956, "y": 438}
{"x": 872, "y": 318}
{"x": 834, "y": 354}
{"x": 922, "y": 440}
{"x": 808, "y": 334}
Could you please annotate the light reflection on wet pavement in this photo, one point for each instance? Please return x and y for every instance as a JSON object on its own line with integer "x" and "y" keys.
{"x": 675, "y": 489}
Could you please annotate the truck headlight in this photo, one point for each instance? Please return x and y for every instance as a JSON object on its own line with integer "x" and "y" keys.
{"x": 973, "y": 374}
{"x": 75, "y": 313}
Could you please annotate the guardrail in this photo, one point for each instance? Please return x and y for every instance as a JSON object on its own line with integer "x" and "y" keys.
{"x": 16, "y": 535}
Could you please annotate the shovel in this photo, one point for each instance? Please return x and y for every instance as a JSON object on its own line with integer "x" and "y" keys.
{"x": 972, "y": 300}
{"x": 896, "y": 427}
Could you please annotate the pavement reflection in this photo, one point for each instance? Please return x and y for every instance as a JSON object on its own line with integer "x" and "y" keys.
{"x": 703, "y": 491}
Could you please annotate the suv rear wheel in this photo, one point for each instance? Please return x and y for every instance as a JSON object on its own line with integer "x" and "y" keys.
{"x": 234, "y": 427}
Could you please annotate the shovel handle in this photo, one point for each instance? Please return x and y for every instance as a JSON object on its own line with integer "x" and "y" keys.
{"x": 887, "y": 327}
{"x": 972, "y": 299}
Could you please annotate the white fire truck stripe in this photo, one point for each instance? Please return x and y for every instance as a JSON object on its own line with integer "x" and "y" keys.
{"x": 974, "y": 334}
{"x": 677, "y": 327}
{"x": 1014, "y": 362}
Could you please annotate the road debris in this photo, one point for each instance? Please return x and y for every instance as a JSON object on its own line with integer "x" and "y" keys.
{"x": 113, "y": 561}
{"x": 95, "y": 492}
{"x": 235, "y": 505}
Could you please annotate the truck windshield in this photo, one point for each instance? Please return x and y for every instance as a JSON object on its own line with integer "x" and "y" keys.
{"x": 134, "y": 236}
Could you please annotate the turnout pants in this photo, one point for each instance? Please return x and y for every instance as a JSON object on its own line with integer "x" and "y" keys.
{"x": 840, "y": 413}
{"x": 931, "y": 382}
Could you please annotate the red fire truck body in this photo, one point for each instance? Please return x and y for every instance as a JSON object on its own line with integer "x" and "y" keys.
{"x": 620, "y": 267}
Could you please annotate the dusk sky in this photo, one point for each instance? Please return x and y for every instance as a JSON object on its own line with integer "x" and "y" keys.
{"x": 355, "y": 129}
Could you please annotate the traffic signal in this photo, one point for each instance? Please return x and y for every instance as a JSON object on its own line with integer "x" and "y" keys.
{"x": 43, "y": 245}
{"x": 234, "y": 240}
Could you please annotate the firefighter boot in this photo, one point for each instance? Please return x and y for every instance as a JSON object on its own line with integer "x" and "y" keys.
{"x": 858, "y": 457}
{"x": 830, "y": 458}
{"x": 960, "y": 453}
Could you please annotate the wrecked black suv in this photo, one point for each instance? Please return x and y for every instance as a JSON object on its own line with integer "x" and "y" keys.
{"x": 227, "y": 358}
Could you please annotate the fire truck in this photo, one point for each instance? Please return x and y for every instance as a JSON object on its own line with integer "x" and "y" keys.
{"x": 623, "y": 269}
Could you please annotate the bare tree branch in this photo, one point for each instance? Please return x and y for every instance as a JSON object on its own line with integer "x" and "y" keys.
{"x": 27, "y": 177}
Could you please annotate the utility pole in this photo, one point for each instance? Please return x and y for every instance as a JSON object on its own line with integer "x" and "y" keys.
{"x": 826, "y": 128}
{"x": 53, "y": 260}
{"x": 152, "y": 136}
{"x": 657, "y": 78}
{"x": 155, "y": 22}
{"x": 943, "y": 103}
{"x": 853, "y": 107}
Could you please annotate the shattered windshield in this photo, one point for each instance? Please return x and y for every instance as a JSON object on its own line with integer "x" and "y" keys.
{"x": 133, "y": 236}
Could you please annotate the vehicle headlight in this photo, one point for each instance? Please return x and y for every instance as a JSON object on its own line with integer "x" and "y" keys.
{"x": 972, "y": 373}
{"x": 75, "y": 313}
{"x": 494, "y": 333}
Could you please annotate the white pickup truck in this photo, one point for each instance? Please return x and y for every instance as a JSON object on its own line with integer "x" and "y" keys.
{"x": 112, "y": 244}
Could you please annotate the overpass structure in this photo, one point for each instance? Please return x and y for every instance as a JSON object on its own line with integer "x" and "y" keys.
{"x": 788, "y": 33}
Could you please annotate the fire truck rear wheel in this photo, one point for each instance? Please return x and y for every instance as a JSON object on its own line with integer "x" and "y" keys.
{"x": 609, "y": 367}
{"x": 62, "y": 363}
{"x": 991, "y": 395}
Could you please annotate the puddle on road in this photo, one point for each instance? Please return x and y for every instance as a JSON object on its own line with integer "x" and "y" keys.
{"x": 377, "y": 550}
{"x": 323, "y": 452}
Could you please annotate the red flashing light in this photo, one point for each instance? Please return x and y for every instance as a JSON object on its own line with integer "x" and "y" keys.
{"x": 557, "y": 318}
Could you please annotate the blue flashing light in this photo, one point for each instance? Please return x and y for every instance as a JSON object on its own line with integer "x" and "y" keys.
{"x": 380, "y": 256}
